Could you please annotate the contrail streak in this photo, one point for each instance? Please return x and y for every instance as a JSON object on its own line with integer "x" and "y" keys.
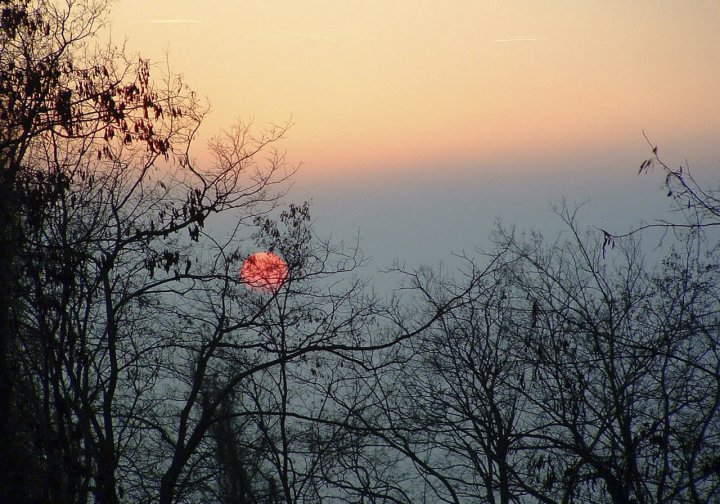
{"x": 521, "y": 39}
{"x": 174, "y": 21}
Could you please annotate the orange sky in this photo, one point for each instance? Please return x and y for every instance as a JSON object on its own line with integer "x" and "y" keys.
{"x": 387, "y": 85}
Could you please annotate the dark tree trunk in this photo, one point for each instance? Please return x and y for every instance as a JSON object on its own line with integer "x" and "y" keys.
{"x": 16, "y": 458}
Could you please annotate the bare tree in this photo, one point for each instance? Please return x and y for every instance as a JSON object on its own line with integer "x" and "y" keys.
{"x": 562, "y": 374}
{"x": 611, "y": 341}
{"x": 54, "y": 92}
{"x": 614, "y": 351}
{"x": 465, "y": 387}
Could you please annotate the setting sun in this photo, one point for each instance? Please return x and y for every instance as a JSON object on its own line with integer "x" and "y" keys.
{"x": 264, "y": 272}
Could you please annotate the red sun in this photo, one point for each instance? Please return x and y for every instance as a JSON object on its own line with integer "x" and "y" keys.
{"x": 264, "y": 272}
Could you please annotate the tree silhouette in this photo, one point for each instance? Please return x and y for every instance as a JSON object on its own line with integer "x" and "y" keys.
{"x": 563, "y": 376}
{"x": 54, "y": 104}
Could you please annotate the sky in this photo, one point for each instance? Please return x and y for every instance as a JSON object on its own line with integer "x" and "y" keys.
{"x": 417, "y": 124}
